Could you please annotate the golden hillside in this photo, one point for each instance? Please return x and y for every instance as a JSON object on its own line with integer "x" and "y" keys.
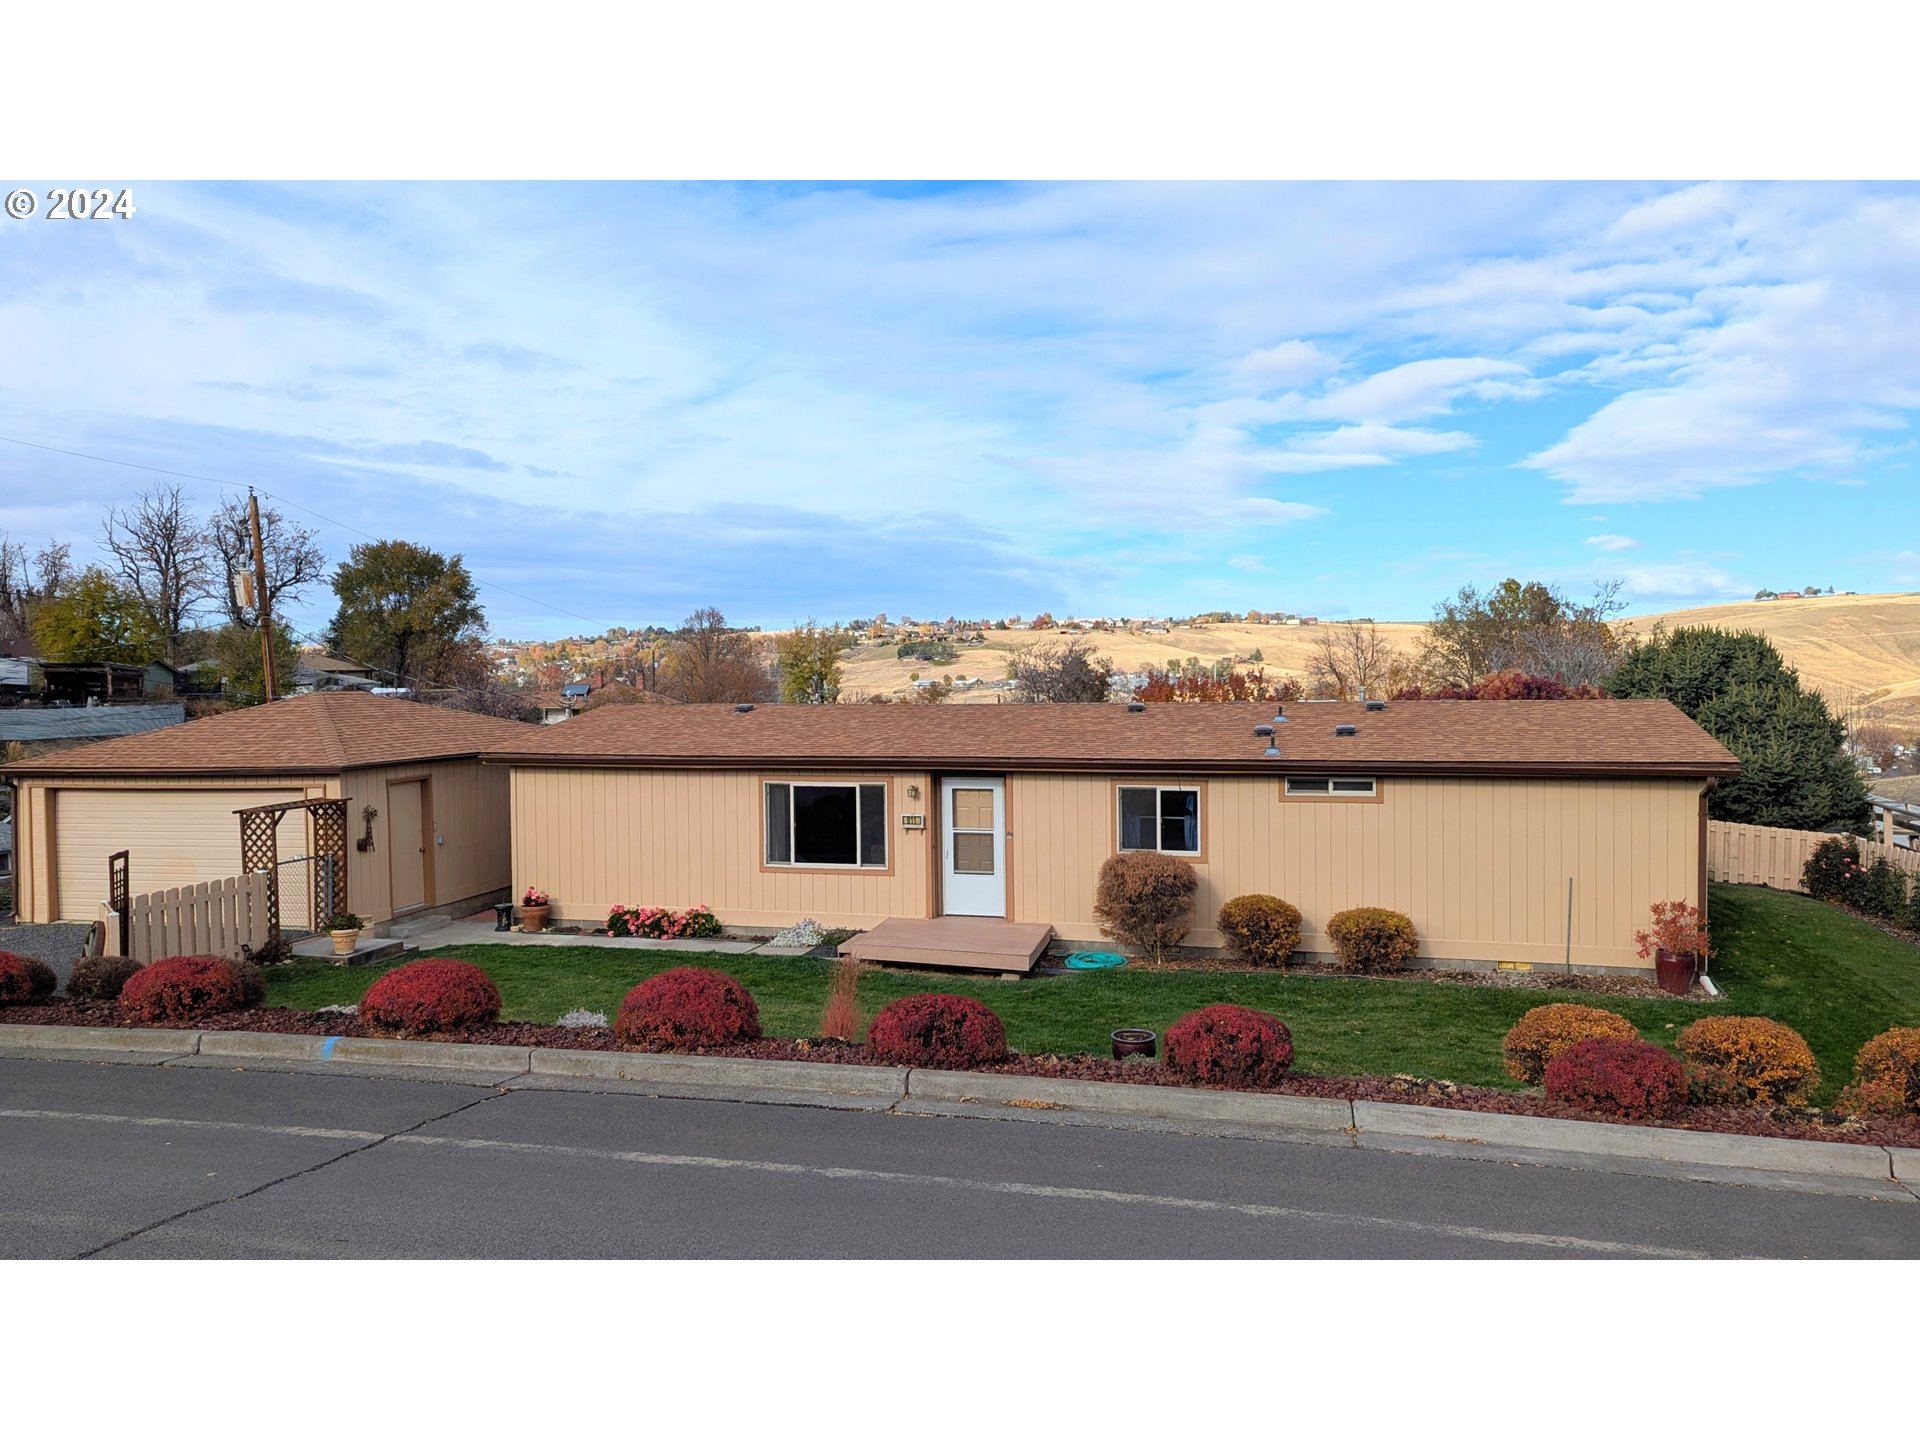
{"x": 1856, "y": 649}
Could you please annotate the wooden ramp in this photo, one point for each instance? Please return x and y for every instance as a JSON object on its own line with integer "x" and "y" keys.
{"x": 961, "y": 942}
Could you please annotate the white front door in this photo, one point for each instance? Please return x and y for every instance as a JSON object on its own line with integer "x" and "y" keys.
{"x": 973, "y": 846}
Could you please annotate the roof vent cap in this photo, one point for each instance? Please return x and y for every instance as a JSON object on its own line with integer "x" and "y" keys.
{"x": 1376, "y": 704}
{"x": 1346, "y": 729}
{"x": 1263, "y": 729}
{"x": 1136, "y": 707}
{"x": 741, "y": 709}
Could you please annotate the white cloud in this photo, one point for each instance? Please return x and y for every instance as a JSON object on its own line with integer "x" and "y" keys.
{"x": 1680, "y": 580}
{"x": 1284, "y": 367}
{"x": 1407, "y": 392}
{"x": 1251, "y": 564}
{"x": 1676, "y": 210}
{"x": 1613, "y": 543}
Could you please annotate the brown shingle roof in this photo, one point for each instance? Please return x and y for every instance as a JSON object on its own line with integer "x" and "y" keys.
{"x": 325, "y": 732}
{"x": 1593, "y": 737}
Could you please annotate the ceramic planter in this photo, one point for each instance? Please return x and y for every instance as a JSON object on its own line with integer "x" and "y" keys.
{"x": 533, "y": 918}
{"x": 1675, "y": 972}
{"x": 344, "y": 941}
{"x": 1131, "y": 1041}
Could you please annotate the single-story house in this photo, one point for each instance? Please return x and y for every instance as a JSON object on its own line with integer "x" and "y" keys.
{"x": 426, "y": 823}
{"x": 1488, "y": 822}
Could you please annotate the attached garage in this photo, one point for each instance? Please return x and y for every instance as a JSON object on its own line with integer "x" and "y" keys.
{"x": 426, "y": 822}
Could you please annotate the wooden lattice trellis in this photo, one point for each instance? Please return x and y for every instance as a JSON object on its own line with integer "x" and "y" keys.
{"x": 260, "y": 850}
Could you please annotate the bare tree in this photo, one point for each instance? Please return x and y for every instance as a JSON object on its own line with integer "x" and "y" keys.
{"x": 1354, "y": 662}
{"x": 294, "y": 558}
{"x": 709, "y": 661}
{"x": 25, "y": 583}
{"x": 164, "y": 557}
{"x": 1067, "y": 673}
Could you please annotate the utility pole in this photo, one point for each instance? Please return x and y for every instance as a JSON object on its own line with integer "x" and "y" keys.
{"x": 260, "y": 589}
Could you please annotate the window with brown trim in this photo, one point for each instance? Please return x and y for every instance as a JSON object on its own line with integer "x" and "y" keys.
{"x": 1159, "y": 817}
{"x": 826, "y": 825}
{"x": 1331, "y": 786}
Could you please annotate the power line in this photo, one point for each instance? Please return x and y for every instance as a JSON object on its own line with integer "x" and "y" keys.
{"x": 292, "y": 504}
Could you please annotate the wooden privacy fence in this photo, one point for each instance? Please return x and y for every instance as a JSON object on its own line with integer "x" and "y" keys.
{"x": 221, "y": 917}
{"x": 1762, "y": 855}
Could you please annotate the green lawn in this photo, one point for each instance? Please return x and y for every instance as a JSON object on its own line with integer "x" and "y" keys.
{"x": 1834, "y": 979}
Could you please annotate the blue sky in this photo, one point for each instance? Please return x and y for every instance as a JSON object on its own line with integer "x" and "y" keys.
{"x": 630, "y": 400}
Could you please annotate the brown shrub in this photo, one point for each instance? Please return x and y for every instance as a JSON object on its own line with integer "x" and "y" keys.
{"x": 841, "y": 1018}
{"x": 1546, "y": 1030}
{"x": 100, "y": 977}
{"x": 1768, "y": 1061}
{"x": 1146, "y": 900}
{"x": 1886, "y": 1075}
{"x": 253, "y": 983}
{"x": 1260, "y": 929}
{"x": 1369, "y": 939}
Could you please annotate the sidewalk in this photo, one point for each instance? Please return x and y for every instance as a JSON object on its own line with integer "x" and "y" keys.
{"x": 478, "y": 932}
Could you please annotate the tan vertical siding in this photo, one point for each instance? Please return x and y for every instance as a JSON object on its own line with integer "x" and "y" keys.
{"x": 467, "y": 803}
{"x": 1480, "y": 865}
{"x": 597, "y": 838}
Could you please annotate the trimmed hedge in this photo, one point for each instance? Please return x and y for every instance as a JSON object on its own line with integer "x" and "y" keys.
{"x": 1145, "y": 899}
{"x": 1229, "y": 1045}
{"x": 1768, "y": 1062}
{"x": 24, "y": 978}
{"x": 1610, "y": 1075}
{"x": 937, "y": 1032}
{"x": 1886, "y": 1075}
{"x": 101, "y": 977}
{"x": 1546, "y": 1030}
{"x": 431, "y": 996}
{"x": 1370, "y": 940}
{"x": 687, "y": 1008}
{"x": 181, "y": 987}
{"x": 1260, "y": 929}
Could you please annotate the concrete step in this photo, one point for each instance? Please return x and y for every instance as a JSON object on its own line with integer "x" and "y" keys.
{"x": 366, "y": 950}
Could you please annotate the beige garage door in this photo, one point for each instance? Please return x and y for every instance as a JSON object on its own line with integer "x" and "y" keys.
{"x": 174, "y": 837}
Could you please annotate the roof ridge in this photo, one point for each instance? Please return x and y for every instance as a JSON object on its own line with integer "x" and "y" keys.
{"x": 329, "y": 733}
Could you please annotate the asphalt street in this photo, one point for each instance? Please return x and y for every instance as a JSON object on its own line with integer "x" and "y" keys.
{"x": 128, "y": 1161}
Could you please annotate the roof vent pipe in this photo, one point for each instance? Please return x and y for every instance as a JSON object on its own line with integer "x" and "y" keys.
{"x": 1279, "y": 715}
{"x": 741, "y": 709}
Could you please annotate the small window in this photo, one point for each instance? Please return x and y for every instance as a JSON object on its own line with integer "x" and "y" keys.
{"x": 1330, "y": 785}
{"x": 826, "y": 825}
{"x": 1160, "y": 817}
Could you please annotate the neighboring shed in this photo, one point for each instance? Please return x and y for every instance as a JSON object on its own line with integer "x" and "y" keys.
{"x": 1472, "y": 817}
{"x": 434, "y": 820}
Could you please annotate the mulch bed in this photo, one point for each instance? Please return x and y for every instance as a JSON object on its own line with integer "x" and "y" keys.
{"x": 1635, "y": 986}
{"x": 1776, "y": 1122}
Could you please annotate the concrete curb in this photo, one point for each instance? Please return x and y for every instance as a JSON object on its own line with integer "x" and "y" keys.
{"x": 1367, "y": 1124}
{"x": 1160, "y": 1102}
{"x": 787, "y": 1075}
{"x": 36, "y": 1039}
{"x": 1378, "y": 1124}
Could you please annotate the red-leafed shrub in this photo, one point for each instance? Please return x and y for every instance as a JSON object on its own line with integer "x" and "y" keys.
{"x": 1612, "y": 1076}
{"x": 1765, "y": 1059}
{"x": 687, "y": 1008}
{"x": 101, "y": 977}
{"x": 1370, "y": 939}
{"x": 937, "y": 1032}
{"x": 23, "y": 978}
{"x": 1544, "y": 1031}
{"x": 425, "y": 997}
{"x": 1886, "y": 1075}
{"x": 181, "y": 987}
{"x": 1229, "y": 1045}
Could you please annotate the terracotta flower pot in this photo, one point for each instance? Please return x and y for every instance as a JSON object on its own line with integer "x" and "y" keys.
{"x": 344, "y": 941}
{"x": 533, "y": 918}
{"x": 1675, "y": 972}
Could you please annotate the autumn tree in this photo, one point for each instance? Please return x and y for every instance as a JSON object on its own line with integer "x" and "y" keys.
{"x": 236, "y": 653}
{"x": 96, "y": 619}
{"x": 808, "y": 659}
{"x": 1530, "y": 627}
{"x": 1066, "y": 673}
{"x": 294, "y": 559}
{"x": 1353, "y": 662}
{"x": 937, "y": 691}
{"x": 1190, "y": 685}
{"x": 709, "y": 661}
{"x": 164, "y": 559}
{"x": 409, "y": 613}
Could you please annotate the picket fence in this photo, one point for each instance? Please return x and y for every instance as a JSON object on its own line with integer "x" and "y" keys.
{"x": 1762, "y": 855}
{"x": 221, "y": 917}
